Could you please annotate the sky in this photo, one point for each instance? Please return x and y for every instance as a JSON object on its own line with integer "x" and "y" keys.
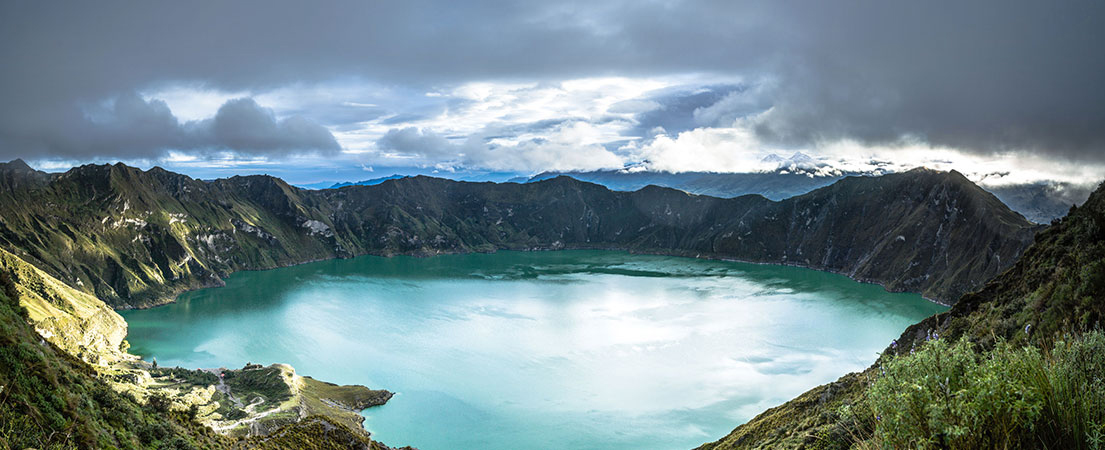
{"x": 1003, "y": 91}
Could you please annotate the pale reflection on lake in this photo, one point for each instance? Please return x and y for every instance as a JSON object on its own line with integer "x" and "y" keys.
{"x": 516, "y": 350}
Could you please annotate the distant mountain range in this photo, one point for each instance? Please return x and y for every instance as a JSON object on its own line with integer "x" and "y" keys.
{"x": 1039, "y": 202}
{"x": 1042, "y": 202}
{"x": 772, "y": 185}
{"x": 371, "y": 182}
{"x": 136, "y": 238}
{"x": 497, "y": 177}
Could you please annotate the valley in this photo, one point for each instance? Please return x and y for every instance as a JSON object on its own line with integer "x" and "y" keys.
{"x": 137, "y": 239}
{"x": 504, "y": 225}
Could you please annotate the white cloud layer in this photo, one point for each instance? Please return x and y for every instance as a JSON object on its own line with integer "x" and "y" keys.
{"x": 677, "y": 123}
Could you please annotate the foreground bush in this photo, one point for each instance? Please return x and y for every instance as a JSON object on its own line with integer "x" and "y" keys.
{"x": 951, "y": 395}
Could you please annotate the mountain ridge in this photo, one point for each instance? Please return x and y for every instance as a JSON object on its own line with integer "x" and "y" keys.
{"x": 137, "y": 238}
{"x": 773, "y": 185}
{"x": 1040, "y": 202}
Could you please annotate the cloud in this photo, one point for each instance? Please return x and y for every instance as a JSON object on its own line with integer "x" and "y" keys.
{"x": 989, "y": 78}
{"x": 676, "y": 106}
{"x": 735, "y": 104}
{"x": 568, "y": 146}
{"x": 132, "y": 127}
{"x": 415, "y": 141}
{"x": 703, "y": 150}
{"x": 961, "y": 75}
{"x": 243, "y": 126}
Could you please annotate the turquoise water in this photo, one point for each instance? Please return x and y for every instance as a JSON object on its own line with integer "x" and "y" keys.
{"x": 518, "y": 350}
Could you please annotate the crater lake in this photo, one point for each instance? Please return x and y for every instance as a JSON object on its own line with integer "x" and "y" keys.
{"x": 533, "y": 350}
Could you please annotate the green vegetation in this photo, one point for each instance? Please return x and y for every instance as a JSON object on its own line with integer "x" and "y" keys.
{"x": 952, "y": 395}
{"x": 340, "y": 403}
{"x": 79, "y": 323}
{"x": 195, "y": 377}
{"x": 227, "y": 408}
{"x": 136, "y": 238}
{"x": 351, "y": 397}
{"x": 51, "y": 400}
{"x": 267, "y": 383}
{"x": 316, "y": 433}
{"x": 1004, "y": 351}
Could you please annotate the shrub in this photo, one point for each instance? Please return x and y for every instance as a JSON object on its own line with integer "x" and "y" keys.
{"x": 950, "y": 395}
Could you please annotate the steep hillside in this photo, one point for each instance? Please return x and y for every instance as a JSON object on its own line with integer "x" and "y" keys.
{"x": 134, "y": 238}
{"x": 137, "y": 238}
{"x": 1055, "y": 292}
{"x": 74, "y": 321}
{"x": 52, "y": 400}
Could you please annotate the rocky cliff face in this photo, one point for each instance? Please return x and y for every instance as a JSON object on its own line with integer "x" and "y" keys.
{"x": 137, "y": 238}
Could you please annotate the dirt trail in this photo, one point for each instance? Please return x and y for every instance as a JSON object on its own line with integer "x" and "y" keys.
{"x": 249, "y": 409}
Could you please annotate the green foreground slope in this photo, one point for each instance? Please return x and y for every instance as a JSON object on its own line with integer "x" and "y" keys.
{"x": 1032, "y": 336}
{"x": 49, "y": 399}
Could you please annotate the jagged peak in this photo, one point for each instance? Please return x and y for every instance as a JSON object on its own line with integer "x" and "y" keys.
{"x": 559, "y": 179}
{"x": 84, "y": 168}
{"x": 17, "y": 164}
{"x": 663, "y": 189}
{"x": 567, "y": 180}
{"x": 943, "y": 175}
{"x": 19, "y": 169}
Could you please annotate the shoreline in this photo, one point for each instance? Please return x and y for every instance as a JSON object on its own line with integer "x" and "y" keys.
{"x": 681, "y": 254}
{"x": 565, "y": 261}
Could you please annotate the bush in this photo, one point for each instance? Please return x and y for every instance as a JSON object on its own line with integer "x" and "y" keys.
{"x": 195, "y": 377}
{"x": 949, "y": 395}
{"x": 159, "y": 402}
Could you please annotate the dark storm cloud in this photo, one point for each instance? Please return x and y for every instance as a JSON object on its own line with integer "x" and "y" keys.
{"x": 244, "y": 126}
{"x": 132, "y": 127}
{"x": 675, "y": 109}
{"x": 983, "y": 76}
{"x": 415, "y": 141}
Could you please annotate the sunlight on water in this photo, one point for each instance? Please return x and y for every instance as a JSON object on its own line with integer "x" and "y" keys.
{"x": 513, "y": 350}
